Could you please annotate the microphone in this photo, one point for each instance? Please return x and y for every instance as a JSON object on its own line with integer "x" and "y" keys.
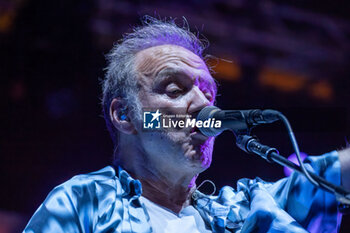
{"x": 236, "y": 120}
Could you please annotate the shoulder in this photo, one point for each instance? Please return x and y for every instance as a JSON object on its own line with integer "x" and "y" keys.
{"x": 75, "y": 205}
{"x": 104, "y": 175}
{"x": 87, "y": 187}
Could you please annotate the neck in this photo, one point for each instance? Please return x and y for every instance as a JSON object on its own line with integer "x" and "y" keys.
{"x": 164, "y": 184}
{"x": 172, "y": 192}
{"x": 172, "y": 196}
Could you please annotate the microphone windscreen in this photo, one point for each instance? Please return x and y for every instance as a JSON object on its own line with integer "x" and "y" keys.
{"x": 205, "y": 114}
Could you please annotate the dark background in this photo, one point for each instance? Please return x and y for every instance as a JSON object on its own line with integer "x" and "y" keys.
{"x": 293, "y": 57}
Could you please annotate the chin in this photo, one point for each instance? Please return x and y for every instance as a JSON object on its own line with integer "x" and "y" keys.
{"x": 204, "y": 155}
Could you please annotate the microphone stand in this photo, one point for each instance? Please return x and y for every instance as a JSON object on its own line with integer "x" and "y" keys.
{"x": 250, "y": 144}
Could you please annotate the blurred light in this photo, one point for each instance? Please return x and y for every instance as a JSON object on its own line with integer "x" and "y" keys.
{"x": 6, "y": 21}
{"x": 282, "y": 80}
{"x": 11, "y": 222}
{"x": 226, "y": 70}
{"x": 321, "y": 90}
{"x": 18, "y": 91}
{"x": 293, "y": 158}
{"x": 8, "y": 13}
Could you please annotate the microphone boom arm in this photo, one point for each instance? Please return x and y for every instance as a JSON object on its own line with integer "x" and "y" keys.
{"x": 250, "y": 144}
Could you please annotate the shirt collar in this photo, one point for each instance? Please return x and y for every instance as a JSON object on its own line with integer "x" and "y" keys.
{"x": 130, "y": 185}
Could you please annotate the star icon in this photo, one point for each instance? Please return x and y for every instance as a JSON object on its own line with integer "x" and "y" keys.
{"x": 156, "y": 115}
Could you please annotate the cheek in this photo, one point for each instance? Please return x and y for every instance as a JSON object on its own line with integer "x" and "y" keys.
{"x": 165, "y": 140}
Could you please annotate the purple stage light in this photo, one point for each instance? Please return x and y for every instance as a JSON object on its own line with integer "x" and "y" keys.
{"x": 293, "y": 158}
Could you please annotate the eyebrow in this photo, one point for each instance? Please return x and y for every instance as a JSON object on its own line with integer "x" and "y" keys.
{"x": 169, "y": 71}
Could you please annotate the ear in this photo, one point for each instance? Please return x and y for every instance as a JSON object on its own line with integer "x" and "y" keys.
{"x": 118, "y": 114}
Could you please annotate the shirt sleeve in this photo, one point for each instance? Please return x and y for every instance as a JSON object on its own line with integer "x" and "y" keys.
{"x": 313, "y": 208}
{"x": 265, "y": 215}
{"x": 86, "y": 203}
{"x": 61, "y": 211}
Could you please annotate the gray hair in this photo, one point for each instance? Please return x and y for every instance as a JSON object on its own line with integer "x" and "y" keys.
{"x": 121, "y": 76}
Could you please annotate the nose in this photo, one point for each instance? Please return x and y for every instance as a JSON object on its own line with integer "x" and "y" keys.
{"x": 197, "y": 100}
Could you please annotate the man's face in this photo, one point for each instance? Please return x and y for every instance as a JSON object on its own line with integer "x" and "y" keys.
{"x": 173, "y": 78}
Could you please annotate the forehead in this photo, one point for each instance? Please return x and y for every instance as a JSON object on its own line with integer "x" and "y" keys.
{"x": 154, "y": 61}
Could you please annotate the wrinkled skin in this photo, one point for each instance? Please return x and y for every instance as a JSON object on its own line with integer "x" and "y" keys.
{"x": 172, "y": 77}
{"x": 167, "y": 162}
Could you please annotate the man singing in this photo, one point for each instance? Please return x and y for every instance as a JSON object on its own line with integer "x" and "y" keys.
{"x": 152, "y": 186}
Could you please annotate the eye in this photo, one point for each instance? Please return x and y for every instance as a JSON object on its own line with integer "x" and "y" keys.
{"x": 173, "y": 90}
